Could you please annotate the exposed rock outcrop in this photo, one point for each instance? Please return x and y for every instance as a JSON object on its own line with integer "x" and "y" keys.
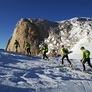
{"x": 30, "y": 30}
{"x": 25, "y": 31}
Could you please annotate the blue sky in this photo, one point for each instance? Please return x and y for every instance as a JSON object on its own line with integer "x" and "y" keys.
{"x": 11, "y": 11}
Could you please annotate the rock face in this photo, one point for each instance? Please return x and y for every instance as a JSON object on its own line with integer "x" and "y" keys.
{"x": 25, "y": 31}
{"x": 29, "y": 30}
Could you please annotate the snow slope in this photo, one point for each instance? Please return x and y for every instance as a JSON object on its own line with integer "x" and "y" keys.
{"x": 22, "y": 73}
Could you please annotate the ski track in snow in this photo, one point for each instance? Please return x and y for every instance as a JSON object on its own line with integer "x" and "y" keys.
{"x": 22, "y": 73}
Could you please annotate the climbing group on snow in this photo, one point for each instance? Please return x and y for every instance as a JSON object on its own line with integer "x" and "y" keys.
{"x": 85, "y": 54}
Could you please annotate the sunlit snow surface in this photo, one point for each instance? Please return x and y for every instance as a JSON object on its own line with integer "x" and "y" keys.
{"x": 22, "y": 73}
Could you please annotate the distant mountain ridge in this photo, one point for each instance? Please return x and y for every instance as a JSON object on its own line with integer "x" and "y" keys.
{"x": 34, "y": 31}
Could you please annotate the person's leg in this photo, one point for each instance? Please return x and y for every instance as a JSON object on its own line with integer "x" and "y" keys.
{"x": 16, "y": 48}
{"x": 89, "y": 63}
{"x": 83, "y": 63}
{"x": 45, "y": 55}
{"x": 29, "y": 53}
{"x": 63, "y": 59}
{"x": 68, "y": 59}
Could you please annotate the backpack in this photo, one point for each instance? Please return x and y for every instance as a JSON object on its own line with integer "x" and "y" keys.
{"x": 65, "y": 50}
{"x": 87, "y": 53}
{"x": 46, "y": 48}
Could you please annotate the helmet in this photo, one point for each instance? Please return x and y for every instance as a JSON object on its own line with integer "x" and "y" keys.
{"x": 82, "y": 48}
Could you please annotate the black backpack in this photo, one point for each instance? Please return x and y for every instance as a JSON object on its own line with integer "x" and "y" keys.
{"x": 65, "y": 50}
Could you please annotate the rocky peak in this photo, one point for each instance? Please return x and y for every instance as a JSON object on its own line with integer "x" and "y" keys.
{"x": 30, "y": 30}
{"x": 24, "y": 31}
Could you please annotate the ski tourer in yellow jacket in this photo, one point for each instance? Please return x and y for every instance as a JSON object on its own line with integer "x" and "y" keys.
{"x": 44, "y": 50}
{"x": 85, "y": 57}
{"x": 85, "y": 54}
{"x": 64, "y": 51}
{"x": 16, "y": 45}
{"x": 64, "y": 54}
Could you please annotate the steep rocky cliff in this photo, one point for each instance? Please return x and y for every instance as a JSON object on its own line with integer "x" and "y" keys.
{"x": 30, "y": 30}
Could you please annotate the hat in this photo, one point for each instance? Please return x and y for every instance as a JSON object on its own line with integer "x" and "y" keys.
{"x": 62, "y": 45}
{"x": 82, "y": 48}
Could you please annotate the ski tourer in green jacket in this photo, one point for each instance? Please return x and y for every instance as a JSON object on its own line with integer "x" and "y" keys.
{"x": 85, "y": 57}
{"x": 64, "y": 54}
{"x": 27, "y": 48}
{"x": 43, "y": 48}
{"x": 16, "y": 45}
{"x": 64, "y": 51}
{"x": 85, "y": 54}
{"x": 27, "y": 45}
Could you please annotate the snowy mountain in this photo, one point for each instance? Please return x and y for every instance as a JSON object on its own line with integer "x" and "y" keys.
{"x": 22, "y": 73}
{"x": 70, "y": 33}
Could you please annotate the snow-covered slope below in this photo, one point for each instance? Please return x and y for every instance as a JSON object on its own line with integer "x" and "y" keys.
{"x": 22, "y": 73}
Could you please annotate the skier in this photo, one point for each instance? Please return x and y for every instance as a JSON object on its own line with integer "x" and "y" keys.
{"x": 44, "y": 50}
{"x": 27, "y": 48}
{"x": 85, "y": 58}
{"x": 16, "y": 45}
{"x": 64, "y": 54}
